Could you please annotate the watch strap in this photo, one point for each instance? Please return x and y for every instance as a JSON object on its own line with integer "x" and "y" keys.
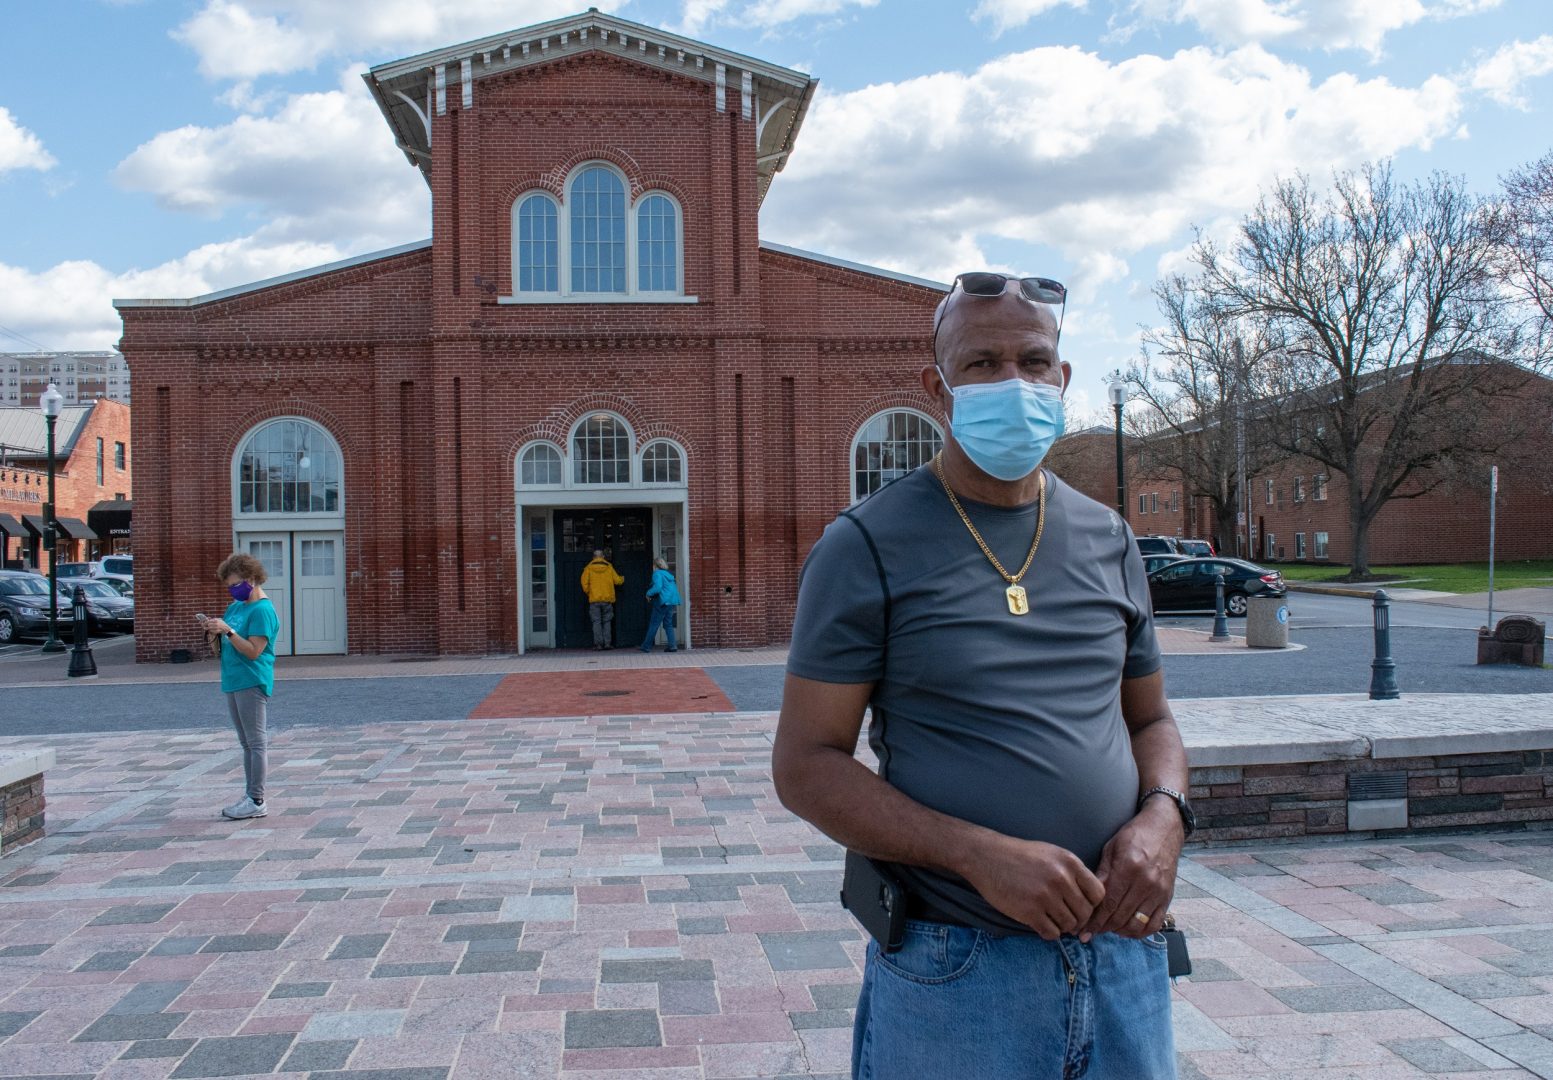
{"x": 1188, "y": 819}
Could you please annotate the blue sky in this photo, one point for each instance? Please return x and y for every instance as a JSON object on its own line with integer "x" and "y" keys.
{"x": 173, "y": 148}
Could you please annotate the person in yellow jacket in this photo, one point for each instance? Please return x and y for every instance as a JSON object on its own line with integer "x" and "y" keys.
{"x": 599, "y": 579}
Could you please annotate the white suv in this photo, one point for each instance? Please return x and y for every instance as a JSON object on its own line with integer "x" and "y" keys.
{"x": 116, "y": 570}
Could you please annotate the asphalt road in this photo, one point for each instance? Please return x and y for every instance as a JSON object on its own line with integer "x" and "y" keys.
{"x": 1434, "y": 648}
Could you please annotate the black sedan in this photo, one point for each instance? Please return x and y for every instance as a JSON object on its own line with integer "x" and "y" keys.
{"x": 1187, "y": 585}
{"x": 106, "y": 608}
{"x": 24, "y": 605}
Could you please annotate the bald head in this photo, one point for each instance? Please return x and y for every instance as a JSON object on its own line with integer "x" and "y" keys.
{"x": 991, "y": 338}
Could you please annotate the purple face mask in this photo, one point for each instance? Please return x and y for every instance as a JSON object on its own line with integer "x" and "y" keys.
{"x": 241, "y": 591}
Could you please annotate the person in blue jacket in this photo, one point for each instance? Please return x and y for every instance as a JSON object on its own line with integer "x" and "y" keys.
{"x": 664, "y": 595}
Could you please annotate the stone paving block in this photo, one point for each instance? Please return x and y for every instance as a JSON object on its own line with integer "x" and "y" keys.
{"x": 421, "y": 1073}
{"x": 805, "y": 951}
{"x": 237, "y": 1056}
{"x": 133, "y": 914}
{"x": 158, "y": 1048}
{"x": 687, "y": 998}
{"x": 358, "y": 947}
{"x": 478, "y": 963}
{"x": 179, "y": 946}
{"x": 1433, "y": 1056}
{"x": 109, "y": 961}
{"x": 561, "y": 908}
{"x": 703, "y": 924}
{"x": 824, "y": 1018}
{"x": 829, "y": 996}
{"x": 26, "y": 950}
{"x": 411, "y": 970}
{"x": 336, "y": 1026}
{"x": 317, "y": 1056}
{"x": 147, "y": 998}
{"x": 238, "y": 943}
{"x": 1480, "y": 987}
{"x": 612, "y": 1027}
{"x": 1211, "y": 970}
{"x": 300, "y": 990}
{"x": 1394, "y": 894}
{"x": 132, "y": 1027}
{"x": 1324, "y": 999}
{"x": 12, "y": 1022}
{"x": 644, "y": 971}
{"x": 484, "y": 931}
{"x": 466, "y": 907}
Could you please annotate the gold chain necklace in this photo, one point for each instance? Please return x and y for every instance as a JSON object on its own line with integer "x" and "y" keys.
{"x": 1018, "y": 602}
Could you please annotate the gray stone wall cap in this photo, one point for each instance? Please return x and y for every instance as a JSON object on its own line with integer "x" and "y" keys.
{"x": 19, "y": 764}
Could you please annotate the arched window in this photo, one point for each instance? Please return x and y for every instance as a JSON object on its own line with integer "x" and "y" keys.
{"x": 288, "y": 467}
{"x": 540, "y": 466}
{"x": 538, "y": 257}
{"x": 601, "y": 451}
{"x": 657, "y": 245}
{"x": 597, "y": 216}
{"x": 663, "y": 463}
{"x": 889, "y": 446}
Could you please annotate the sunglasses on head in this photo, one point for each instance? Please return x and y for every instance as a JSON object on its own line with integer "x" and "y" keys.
{"x": 1037, "y": 290}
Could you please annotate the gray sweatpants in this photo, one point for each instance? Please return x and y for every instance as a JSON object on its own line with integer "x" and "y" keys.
{"x": 248, "y": 717}
{"x": 603, "y": 616}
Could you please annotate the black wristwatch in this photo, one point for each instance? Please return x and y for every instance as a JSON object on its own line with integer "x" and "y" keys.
{"x": 233, "y": 633}
{"x": 1188, "y": 819}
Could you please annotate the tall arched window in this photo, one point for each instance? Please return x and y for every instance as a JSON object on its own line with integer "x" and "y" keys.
{"x": 601, "y": 451}
{"x": 597, "y": 216}
{"x": 657, "y": 245}
{"x": 540, "y": 466}
{"x": 288, "y": 467}
{"x": 889, "y": 446}
{"x": 538, "y": 262}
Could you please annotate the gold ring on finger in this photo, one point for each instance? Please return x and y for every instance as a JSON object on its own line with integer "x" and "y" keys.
{"x": 1141, "y": 917}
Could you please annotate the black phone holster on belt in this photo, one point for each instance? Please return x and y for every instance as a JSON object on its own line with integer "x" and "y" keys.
{"x": 876, "y": 899}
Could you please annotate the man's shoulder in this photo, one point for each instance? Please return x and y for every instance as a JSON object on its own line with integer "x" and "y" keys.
{"x": 1083, "y": 512}
{"x": 898, "y": 502}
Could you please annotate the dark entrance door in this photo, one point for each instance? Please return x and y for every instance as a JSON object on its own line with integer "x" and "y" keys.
{"x": 625, "y": 535}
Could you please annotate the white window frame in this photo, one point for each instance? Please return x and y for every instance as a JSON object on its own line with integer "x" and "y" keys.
{"x": 1319, "y": 548}
{"x": 1299, "y": 489}
{"x": 523, "y": 453}
{"x": 641, "y": 465}
{"x": 633, "y": 294}
{"x": 1143, "y": 503}
{"x": 568, "y": 458}
{"x": 249, "y": 521}
{"x": 1270, "y": 492}
{"x": 1318, "y": 488}
{"x": 1299, "y": 545}
{"x": 857, "y": 439}
{"x": 1269, "y": 545}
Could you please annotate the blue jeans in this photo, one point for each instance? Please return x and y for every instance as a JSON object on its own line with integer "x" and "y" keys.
{"x": 961, "y": 1003}
{"x": 662, "y": 615}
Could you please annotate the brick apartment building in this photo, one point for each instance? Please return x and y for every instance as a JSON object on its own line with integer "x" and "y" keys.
{"x": 596, "y": 349}
{"x": 1299, "y": 513}
{"x": 92, "y": 475}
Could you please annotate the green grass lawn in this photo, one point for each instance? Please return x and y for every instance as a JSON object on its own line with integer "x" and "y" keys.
{"x": 1454, "y": 577}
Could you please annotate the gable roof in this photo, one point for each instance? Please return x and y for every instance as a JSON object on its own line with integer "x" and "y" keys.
{"x": 413, "y": 90}
{"x": 24, "y": 433}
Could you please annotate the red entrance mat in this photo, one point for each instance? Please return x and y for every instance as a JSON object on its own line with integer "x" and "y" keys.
{"x": 602, "y": 693}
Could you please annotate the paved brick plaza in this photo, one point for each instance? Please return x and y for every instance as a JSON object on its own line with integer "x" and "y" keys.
{"x": 624, "y": 897}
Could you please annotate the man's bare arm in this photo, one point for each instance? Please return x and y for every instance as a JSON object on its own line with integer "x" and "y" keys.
{"x": 817, "y": 777}
{"x": 1138, "y": 866}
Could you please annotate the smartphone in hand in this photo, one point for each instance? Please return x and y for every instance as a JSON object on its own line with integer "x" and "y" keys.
{"x": 201, "y": 616}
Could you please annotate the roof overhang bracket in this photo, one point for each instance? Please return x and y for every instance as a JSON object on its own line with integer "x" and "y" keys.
{"x": 420, "y": 114}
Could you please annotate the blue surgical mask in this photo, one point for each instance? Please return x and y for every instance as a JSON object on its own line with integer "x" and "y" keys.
{"x": 1006, "y": 427}
{"x": 241, "y": 591}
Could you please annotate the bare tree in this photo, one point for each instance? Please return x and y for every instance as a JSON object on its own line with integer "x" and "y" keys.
{"x": 1391, "y": 325}
{"x": 1197, "y": 374}
{"x": 1524, "y": 258}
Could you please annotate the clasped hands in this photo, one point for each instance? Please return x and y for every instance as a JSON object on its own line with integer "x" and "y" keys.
{"x": 1050, "y": 890}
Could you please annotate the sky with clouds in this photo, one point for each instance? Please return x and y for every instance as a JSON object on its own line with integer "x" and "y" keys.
{"x": 168, "y": 148}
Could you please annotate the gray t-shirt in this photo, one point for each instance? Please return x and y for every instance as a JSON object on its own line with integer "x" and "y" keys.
{"x": 1012, "y": 722}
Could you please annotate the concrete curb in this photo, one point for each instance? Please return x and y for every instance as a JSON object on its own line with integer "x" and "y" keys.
{"x": 1365, "y": 592}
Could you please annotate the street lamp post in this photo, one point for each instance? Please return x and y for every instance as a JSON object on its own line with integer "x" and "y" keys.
{"x": 50, "y": 403}
{"x": 1116, "y": 389}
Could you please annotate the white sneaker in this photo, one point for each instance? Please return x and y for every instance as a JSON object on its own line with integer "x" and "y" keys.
{"x": 246, "y": 809}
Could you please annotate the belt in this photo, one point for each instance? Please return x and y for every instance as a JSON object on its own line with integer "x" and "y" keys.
{"x": 918, "y": 907}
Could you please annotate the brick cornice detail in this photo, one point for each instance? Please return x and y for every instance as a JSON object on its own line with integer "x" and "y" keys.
{"x": 875, "y": 345}
{"x": 304, "y": 410}
{"x": 507, "y": 343}
{"x": 226, "y": 353}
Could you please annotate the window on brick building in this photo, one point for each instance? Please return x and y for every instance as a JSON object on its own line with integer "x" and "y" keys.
{"x": 594, "y": 243}
{"x": 889, "y": 446}
{"x": 118, "y": 455}
{"x": 1299, "y": 545}
{"x": 1143, "y": 504}
{"x": 540, "y": 466}
{"x": 1269, "y": 484}
{"x": 1299, "y": 489}
{"x": 1321, "y": 545}
{"x": 1318, "y": 487}
{"x": 99, "y": 462}
{"x": 601, "y": 450}
{"x": 1154, "y": 502}
{"x": 538, "y": 261}
{"x": 289, "y": 466}
{"x": 662, "y": 463}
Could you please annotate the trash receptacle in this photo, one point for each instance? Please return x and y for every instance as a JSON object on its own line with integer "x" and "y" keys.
{"x": 1267, "y": 622}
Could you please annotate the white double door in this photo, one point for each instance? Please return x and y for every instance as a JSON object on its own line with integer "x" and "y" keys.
{"x": 307, "y": 586}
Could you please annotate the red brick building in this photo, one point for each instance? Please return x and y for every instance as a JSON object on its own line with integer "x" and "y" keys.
{"x": 92, "y": 466}
{"x": 596, "y": 349}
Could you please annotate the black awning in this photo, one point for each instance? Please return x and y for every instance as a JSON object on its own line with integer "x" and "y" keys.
{"x": 9, "y": 525}
{"x": 75, "y": 529}
{"x": 110, "y": 517}
{"x": 35, "y": 524}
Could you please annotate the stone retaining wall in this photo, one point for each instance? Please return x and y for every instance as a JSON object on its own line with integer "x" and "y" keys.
{"x": 21, "y": 797}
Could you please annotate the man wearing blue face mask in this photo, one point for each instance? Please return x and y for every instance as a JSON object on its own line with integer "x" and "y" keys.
{"x": 1015, "y": 854}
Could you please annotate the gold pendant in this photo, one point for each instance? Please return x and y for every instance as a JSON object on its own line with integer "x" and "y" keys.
{"x": 1017, "y": 602}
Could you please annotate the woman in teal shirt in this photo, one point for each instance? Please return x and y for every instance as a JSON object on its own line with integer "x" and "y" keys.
{"x": 244, "y": 639}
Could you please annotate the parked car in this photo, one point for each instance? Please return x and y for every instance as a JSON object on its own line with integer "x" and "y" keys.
{"x": 1152, "y": 563}
{"x": 1196, "y": 548}
{"x": 1187, "y": 585}
{"x": 1157, "y": 545}
{"x": 116, "y": 570}
{"x": 24, "y": 605}
{"x": 106, "y": 608}
{"x": 75, "y": 569}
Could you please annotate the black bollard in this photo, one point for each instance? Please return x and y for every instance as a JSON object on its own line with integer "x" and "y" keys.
{"x": 82, "y": 665}
{"x": 1383, "y": 670}
{"x": 1220, "y": 620}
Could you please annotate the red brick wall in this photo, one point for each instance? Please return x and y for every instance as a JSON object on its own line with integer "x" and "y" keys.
{"x": 431, "y": 386}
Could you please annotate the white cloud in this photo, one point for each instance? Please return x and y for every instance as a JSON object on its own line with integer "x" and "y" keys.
{"x": 1008, "y": 14}
{"x": 1501, "y": 75}
{"x": 20, "y": 148}
{"x": 697, "y": 15}
{"x": 924, "y": 175}
{"x": 1318, "y": 24}
{"x": 322, "y": 168}
{"x": 244, "y": 39}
